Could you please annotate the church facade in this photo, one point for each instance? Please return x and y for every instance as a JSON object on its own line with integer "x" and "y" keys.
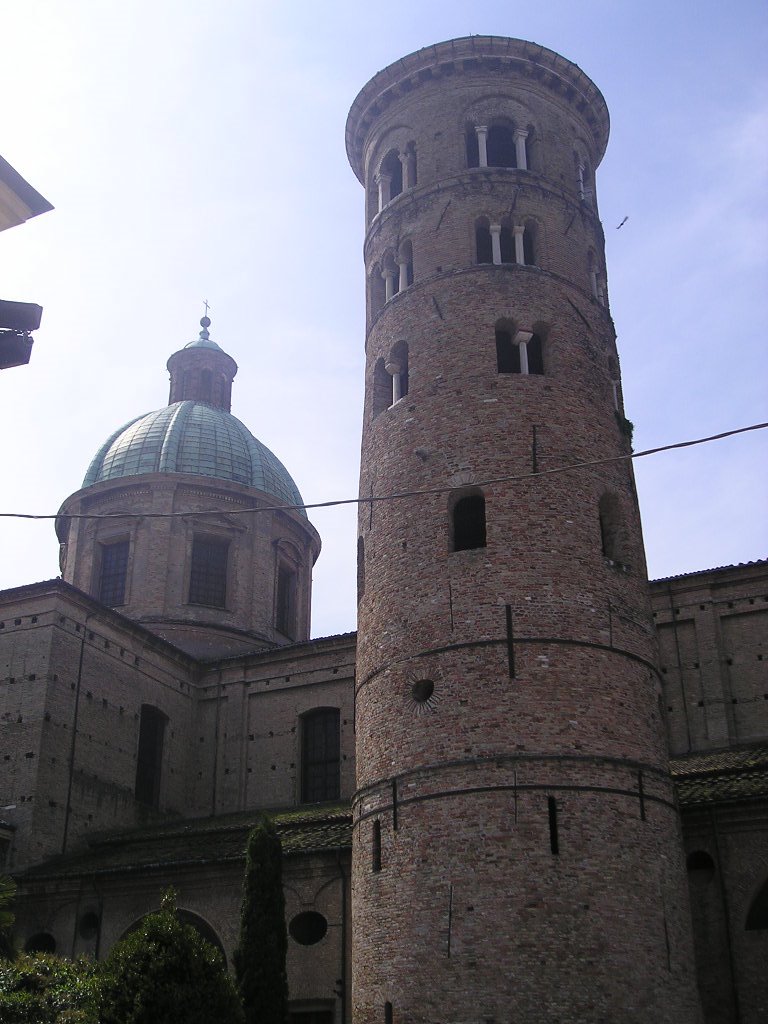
{"x": 473, "y": 791}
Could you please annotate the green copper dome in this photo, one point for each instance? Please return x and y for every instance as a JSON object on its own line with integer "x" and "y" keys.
{"x": 193, "y": 437}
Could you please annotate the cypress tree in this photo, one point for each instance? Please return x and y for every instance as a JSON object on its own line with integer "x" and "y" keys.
{"x": 260, "y": 955}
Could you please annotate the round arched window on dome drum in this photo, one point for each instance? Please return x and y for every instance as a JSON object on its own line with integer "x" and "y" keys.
{"x": 308, "y": 928}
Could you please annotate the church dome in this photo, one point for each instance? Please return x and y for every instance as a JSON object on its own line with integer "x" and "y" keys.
{"x": 195, "y": 433}
{"x": 192, "y": 437}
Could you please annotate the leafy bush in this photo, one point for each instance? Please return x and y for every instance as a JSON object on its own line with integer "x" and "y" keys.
{"x": 43, "y": 989}
{"x": 165, "y": 973}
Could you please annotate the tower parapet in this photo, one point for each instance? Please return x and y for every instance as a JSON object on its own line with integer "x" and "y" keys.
{"x": 514, "y": 818}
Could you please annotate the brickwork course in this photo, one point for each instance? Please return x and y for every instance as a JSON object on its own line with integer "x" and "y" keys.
{"x": 487, "y": 824}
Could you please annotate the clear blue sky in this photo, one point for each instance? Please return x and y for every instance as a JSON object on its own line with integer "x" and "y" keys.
{"x": 194, "y": 149}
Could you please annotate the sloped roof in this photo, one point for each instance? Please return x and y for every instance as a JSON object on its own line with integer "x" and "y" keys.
{"x": 721, "y": 776}
{"x": 202, "y": 841}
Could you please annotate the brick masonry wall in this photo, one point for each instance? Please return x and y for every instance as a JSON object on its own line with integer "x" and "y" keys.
{"x": 712, "y": 629}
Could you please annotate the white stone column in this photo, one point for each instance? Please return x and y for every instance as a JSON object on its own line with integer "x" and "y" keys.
{"x": 395, "y": 370}
{"x": 495, "y": 230}
{"x": 384, "y": 183}
{"x": 521, "y": 339}
{"x": 520, "y": 154}
{"x": 402, "y": 282}
{"x": 481, "y": 130}
{"x": 389, "y": 283}
{"x": 518, "y": 231}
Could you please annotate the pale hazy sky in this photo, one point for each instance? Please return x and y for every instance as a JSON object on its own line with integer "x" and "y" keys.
{"x": 194, "y": 149}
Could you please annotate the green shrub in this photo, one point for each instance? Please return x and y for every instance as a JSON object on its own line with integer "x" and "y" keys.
{"x": 43, "y": 989}
{"x": 165, "y": 973}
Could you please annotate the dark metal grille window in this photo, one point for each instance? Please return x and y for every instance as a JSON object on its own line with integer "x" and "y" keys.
{"x": 320, "y": 756}
{"x": 208, "y": 576}
{"x": 285, "y": 601}
{"x": 114, "y": 571}
{"x": 149, "y": 759}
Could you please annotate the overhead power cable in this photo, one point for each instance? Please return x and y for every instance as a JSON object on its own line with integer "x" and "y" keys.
{"x": 400, "y": 495}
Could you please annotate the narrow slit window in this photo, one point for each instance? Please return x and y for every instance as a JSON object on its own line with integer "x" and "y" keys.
{"x": 483, "y": 242}
{"x": 285, "y": 601}
{"x": 376, "y": 846}
{"x": 554, "y": 841}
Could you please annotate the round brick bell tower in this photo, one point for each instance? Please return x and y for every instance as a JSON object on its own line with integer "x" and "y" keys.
{"x": 516, "y": 851}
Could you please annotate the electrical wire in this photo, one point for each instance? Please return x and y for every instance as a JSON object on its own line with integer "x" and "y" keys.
{"x": 398, "y": 496}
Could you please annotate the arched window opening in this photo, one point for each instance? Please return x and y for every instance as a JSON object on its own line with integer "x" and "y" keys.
{"x": 531, "y": 148}
{"x": 390, "y": 178}
{"x": 377, "y": 290}
{"x": 468, "y": 522}
{"x": 506, "y": 243}
{"x": 534, "y": 351}
{"x": 390, "y": 273}
{"x": 757, "y": 918}
{"x": 483, "y": 241}
{"x": 700, "y": 866}
{"x": 611, "y": 529}
{"x": 501, "y": 146}
{"x": 149, "y": 758}
{"x": 42, "y": 942}
{"x": 472, "y": 148}
{"x": 320, "y": 756}
{"x": 397, "y": 368}
{"x": 382, "y": 388}
{"x": 529, "y": 244}
{"x": 208, "y": 571}
{"x": 405, "y": 266}
{"x": 113, "y": 572}
{"x": 360, "y": 567}
{"x": 285, "y": 600}
{"x": 507, "y": 353}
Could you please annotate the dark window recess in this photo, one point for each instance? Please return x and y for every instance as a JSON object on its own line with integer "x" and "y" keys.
{"x": 501, "y": 147}
{"x": 469, "y": 523}
{"x": 757, "y": 918}
{"x": 206, "y": 386}
{"x": 208, "y": 575}
{"x": 529, "y": 255}
{"x": 483, "y": 242}
{"x": 392, "y": 166}
{"x": 507, "y": 244}
{"x": 285, "y": 601}
{"x": 535, "y": 357}
{"x": 308, "y": 928}
{"x": 311, "y": 1017}
{"x": 376, "y": 846}
{"x": 473, "y": 149}
{"x": 611, "y": 531}
{"x": 113, "y": 574}
{"x": 149, "y": 759}
{"x": 387, "y": 1012}
{"x": 320, "y": 756}
{"x": 88, "y": 925}
{"x": 43, "y": 942}
{"x": 507, "y": 353}
{"x": 700, "y": 866}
